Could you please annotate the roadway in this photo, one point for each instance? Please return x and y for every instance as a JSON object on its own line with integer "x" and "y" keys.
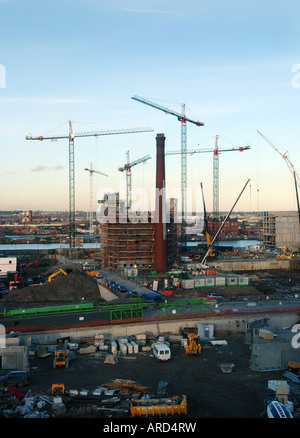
{"x": 253, "y": 304}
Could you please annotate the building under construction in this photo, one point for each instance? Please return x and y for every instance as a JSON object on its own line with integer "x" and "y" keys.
{"x": 141, "y": 244}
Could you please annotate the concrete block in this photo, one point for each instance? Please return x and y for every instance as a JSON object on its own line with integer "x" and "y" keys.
{"x": 57, "y": 400}
{"x": 135, "y": 347}
{"x": 114, "y": 347}
{"x": 98, "y": 391}
{"x": 141, "y": 337}
{"x": 266, "y": 334}
{"x": 111, "y": 359}
{"x": 87, "y": 350}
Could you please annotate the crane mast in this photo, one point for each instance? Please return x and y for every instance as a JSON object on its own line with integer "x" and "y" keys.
{"x": 183, "y": 119}
{"x": 71, "y": 137}
{"x": 216, "y": 182}
{"x": 71, "y": 188}
{"x": 128, "y": 167}
{"x": 91, "y": 213}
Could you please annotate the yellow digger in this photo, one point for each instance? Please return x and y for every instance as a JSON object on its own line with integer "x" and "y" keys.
{"x": 56, "y": 273}
{"x": 192, "y": 345}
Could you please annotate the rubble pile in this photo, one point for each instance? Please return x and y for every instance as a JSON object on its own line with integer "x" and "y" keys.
{"x": 73, "y": 287}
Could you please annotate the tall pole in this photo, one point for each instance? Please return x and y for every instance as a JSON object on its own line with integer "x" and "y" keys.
{"x": 128, "y": 183}
{"x": 183, "y": 175}
{"x": 71, "y": 189}
{"x": 91, "y": 199}
{"x": 216, "y": 182}
{"x": 91, "y": 213}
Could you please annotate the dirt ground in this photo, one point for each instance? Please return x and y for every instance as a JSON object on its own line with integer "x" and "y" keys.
{"x": 210, "y": 393}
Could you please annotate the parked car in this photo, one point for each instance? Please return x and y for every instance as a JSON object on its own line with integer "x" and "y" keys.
{"x": 168, "y": 291}
{"x": 111, "y": 284}
{"x": 15, "y": 378}
{"x": 122, "y": 289}
{"x": 133, "y": 293}
{"x": 214, "y": 297}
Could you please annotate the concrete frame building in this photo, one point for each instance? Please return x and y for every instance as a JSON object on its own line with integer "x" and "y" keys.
{"x": 281, "y": 230}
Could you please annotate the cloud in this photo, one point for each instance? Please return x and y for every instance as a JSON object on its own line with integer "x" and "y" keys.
{"x": 39, "y": 169}
{"x": 42, "y": 168}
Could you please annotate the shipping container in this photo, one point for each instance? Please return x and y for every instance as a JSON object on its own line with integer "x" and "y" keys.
{"x": 243, "y": 281}
{"x": 199, "y": 282}
{"x": 188, "y": 284}
{"x": 231, "y": 280}
{"x": 209, "y": 281}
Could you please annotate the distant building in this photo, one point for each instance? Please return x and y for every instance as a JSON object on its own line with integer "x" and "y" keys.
{"x": 281, "y": 230}
{"x": 231, "y": 227}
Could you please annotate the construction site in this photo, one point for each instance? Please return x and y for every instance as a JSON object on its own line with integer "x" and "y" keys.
{"x": 149, "y": 325}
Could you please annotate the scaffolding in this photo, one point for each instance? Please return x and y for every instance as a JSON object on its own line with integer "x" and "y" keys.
{"x": 131, "y": 243}
{"x": 125, "y": 245}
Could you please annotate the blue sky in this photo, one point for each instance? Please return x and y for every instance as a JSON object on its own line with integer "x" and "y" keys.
{"x": 230, "y": 62}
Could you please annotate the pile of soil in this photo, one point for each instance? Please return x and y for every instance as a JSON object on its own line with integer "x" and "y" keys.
{"x": 74, "y": 287}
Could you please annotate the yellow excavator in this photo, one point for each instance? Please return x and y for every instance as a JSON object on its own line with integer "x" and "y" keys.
{"x": 56, "y": 273}
{"x": 192, "y": 345}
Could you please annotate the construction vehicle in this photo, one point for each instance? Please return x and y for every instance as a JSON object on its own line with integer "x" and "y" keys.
{"x": 56, "y": 273}
{"x": 35, "y": 262}
{"x": 92, "y": 273}
{"x": 192, "y": 345}
{"x": 294, "y": 367}
{"x": 61, "y": 356}
{"x": 58, "y": 389}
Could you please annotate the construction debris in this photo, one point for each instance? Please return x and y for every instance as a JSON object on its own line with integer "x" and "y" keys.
{"x": 111, "y": 359}
{"x": 226, "y": 367}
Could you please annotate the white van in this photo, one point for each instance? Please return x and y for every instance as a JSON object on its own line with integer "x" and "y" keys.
{"x": 161, "y": 351}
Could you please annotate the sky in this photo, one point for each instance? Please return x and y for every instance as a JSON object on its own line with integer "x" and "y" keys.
{"x": 234, "y": 64}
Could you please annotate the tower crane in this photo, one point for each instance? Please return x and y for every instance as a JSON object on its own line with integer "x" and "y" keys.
{"x": 183, "y": 119}
{"x": 92, "y": 171}
{"x": 71, "y": 137}
{"x": 216, "y": 152}
{"x": 128, "y": 167}
{"x": 294, "y": 172}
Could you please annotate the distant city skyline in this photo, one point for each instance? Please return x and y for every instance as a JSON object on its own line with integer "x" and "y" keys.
{"x": 235, "y": 65}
